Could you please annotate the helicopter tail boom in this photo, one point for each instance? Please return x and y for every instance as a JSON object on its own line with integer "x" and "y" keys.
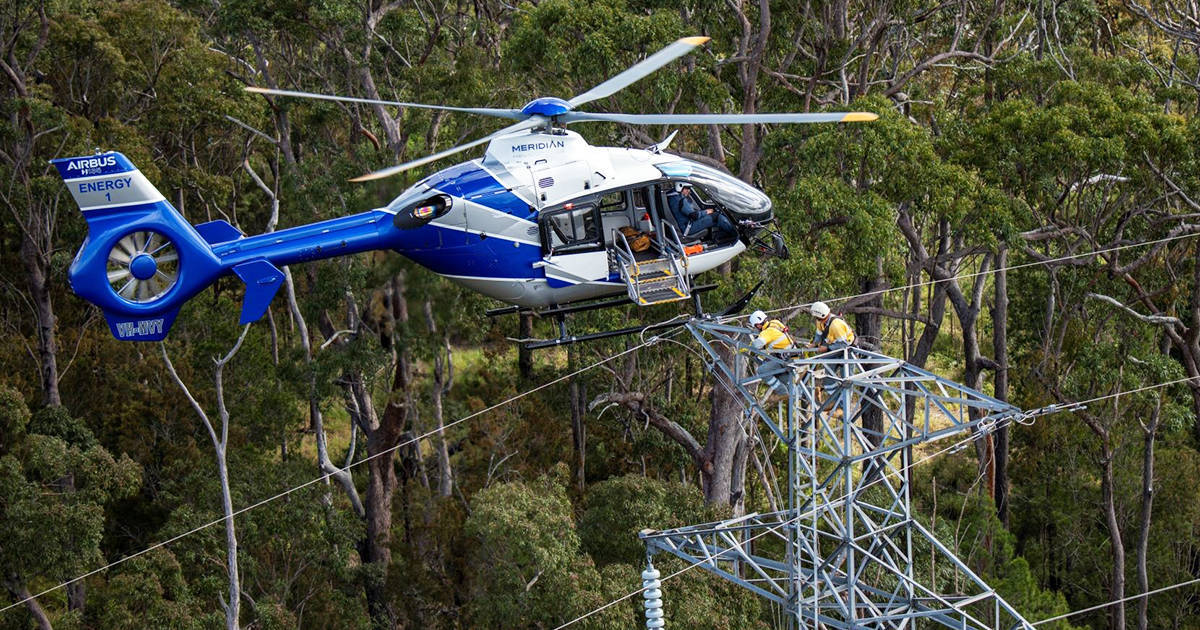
{"x": 142, "y": 259}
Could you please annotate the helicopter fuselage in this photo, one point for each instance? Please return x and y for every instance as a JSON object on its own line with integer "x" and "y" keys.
{"x": 535, "y": 223}
{"x": 497, "y": 234}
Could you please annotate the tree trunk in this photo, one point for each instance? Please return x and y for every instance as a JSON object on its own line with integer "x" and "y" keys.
{"x": 381, "y": 485}
{"x": 973, "y": 360}
{"x": 36, "y": 218}
{"x": 37, "y": 265}
{"x": 375, "y": 549}
{"x": 16, "y": 587}
{"x": 233, "y": 605}
{"x": 1150, "y": 432}
{"x": 737, "y": 483}
{"x": 1000, "y": 355}
{"x": 220, "y": 443}
{"x": 315, "y": 418}
{"x": 1116, "y": 590}
{"x": 869, "y": 333}
{"x": 724, "y": 435}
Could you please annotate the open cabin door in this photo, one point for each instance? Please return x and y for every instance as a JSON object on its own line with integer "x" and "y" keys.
{"x": 572, "y": 245}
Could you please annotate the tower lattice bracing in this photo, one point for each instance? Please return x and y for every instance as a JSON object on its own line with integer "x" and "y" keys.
{"x": 842, "y": 548}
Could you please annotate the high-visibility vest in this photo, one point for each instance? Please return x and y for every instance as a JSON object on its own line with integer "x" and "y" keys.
{"x": 833, "y": 333}
{"x": 774, "y": 336}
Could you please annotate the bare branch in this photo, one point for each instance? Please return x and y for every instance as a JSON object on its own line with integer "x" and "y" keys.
{"x": 1157, "y": 320}
{"x": 636, "y": 402}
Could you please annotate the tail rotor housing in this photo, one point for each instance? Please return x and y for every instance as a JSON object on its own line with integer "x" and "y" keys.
{"x": 141, "y": 259}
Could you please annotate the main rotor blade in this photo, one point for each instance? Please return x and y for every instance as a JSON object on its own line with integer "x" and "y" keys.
{"x": 716, "y": 119}
{"x": 659, "y": 59}
{"x": 399, "y": 168}
{"x": 514, "y": 114}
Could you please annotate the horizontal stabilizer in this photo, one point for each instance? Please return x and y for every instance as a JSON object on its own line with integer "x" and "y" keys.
{"x": 218, "y": 231}
{"x": 141, "y": 328}
{"x": 262, "y": 281}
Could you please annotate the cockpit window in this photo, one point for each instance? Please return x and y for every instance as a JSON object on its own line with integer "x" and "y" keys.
{"x": 724, "y": 189}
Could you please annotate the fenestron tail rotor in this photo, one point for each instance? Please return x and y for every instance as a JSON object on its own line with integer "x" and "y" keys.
{"x": 142, "y": 266}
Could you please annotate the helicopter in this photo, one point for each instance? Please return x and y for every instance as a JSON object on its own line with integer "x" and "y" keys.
{"x": 542, "y": 221}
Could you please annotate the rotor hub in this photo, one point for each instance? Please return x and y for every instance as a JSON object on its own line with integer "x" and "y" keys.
{"x": 548, "y": 106}
{"x": 143, "y": 267}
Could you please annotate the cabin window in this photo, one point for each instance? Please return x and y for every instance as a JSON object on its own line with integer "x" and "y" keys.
{"x": 571, "y": 229}
{"x": 613, "y": 202}
{"x": 641, "y": 200}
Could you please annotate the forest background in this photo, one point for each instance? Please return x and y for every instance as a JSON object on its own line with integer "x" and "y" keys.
{"x": 1056, "y": 137}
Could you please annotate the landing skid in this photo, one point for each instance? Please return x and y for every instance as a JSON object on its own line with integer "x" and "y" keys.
{"x": 560, "y": 313}
{"x": 578, "y": 306}
{"x": 570, "y": 339}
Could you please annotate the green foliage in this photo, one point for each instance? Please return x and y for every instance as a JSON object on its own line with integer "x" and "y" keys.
{"x": 948, "y": 494}
{"x": 619, "y": 508}
{"x": 53, "y": 496}
{"x": 58, "y": 422}
{"x": 1085, "y": 123}
{"x": 525, "y": 564}
{"x": 14, "y": 418}
{"x": 147, "y": 590}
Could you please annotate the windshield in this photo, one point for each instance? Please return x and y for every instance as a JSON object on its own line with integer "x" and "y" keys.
{"x": 726, "y": 190}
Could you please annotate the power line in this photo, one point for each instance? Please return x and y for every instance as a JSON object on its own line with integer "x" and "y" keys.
{"x": 645, "y": 343}
{"x": 651, "y": 341}
{"x": 1117, "y": 601}
{"x": 959, "y": 444}
{"x": 973, "y": 274}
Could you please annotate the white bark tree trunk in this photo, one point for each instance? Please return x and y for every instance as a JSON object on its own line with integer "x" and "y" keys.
{"x": 232, "y": 605}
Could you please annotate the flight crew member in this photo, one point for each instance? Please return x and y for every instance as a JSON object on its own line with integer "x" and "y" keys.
{"x": 772, "y": 335}
{"x": 692, "y": 220}
{"x": 833, "y": 333}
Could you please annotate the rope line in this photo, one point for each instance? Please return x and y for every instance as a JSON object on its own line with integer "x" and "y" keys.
{"x": 159, "y": 545}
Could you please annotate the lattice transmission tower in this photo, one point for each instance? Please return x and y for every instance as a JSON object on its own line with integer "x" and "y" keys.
{"x": 841, "y": 549}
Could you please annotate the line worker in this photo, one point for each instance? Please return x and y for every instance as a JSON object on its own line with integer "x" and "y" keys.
{"x": 772, "y": 335}
{"x": 833, "y": 333}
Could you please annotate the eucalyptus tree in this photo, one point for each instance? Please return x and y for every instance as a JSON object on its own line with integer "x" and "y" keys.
{"x": 56, "y": 481}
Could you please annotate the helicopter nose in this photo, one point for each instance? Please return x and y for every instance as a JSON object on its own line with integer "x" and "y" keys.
{"x": 548, "y": 106}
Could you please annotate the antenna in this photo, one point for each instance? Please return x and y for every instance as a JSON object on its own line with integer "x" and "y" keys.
{"x": 843, "y": 551}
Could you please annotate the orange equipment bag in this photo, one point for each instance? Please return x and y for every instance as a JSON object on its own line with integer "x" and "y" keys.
{"x": 638, "y": 241}
{"x": 693, "y": 249}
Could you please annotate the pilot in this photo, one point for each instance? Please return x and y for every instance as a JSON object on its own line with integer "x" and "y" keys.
{"x": 693, "y": 220}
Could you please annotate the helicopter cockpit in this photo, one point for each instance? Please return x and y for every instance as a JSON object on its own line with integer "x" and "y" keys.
{"x": 719, "y": 190}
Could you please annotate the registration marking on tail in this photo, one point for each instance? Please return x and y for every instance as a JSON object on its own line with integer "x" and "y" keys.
{"x": 140, "y": 328}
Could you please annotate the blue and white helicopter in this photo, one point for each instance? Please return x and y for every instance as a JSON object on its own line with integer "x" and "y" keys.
{"x": 536, "y": 223}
